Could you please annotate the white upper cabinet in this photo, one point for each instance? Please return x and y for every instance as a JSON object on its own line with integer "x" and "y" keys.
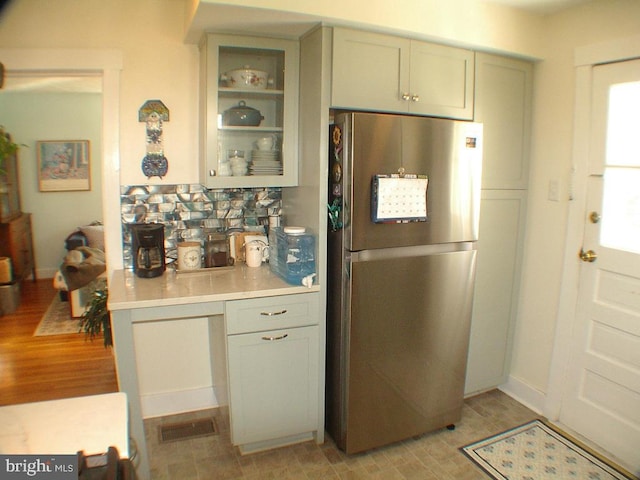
{"x": 248, "y": 111}
{"x": 441, "y": 81}
{"x": 369, "y": 71}
{"x": 385, "y": 73}
{"x": 503, "y": 105}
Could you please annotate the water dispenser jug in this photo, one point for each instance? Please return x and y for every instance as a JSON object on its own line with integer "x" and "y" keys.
{"x": 292, "y": 254}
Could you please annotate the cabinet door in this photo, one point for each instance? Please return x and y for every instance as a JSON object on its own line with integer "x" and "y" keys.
{"x": 441, "y": 81}
{"x": 230, "y": 155}
{"x": 500, "y": 244}
{"x": 273, "y": 384}
{"x": 503, "y": 105}
{"x": 370, "y": 71}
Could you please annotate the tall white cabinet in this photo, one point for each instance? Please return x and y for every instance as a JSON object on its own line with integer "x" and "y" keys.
{"x": 503, "y": 105}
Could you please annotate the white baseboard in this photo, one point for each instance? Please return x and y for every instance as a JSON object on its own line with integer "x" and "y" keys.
{"x": 170, "y": 403}
{"x": 525, "y": 394}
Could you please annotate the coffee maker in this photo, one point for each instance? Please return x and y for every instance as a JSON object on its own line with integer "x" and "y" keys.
{"x": 147, "y": 240}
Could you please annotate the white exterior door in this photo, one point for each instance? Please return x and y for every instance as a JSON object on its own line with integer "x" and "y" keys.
{"x": 601, "y": 400}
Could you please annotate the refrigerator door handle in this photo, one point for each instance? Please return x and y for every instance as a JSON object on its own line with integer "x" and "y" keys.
{"x": 413, "y": 251}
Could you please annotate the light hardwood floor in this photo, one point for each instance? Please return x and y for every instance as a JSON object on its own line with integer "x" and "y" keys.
{"x": 46, "y": 368}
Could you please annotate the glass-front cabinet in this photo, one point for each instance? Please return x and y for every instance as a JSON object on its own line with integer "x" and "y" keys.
{"x": 249, "y": 111}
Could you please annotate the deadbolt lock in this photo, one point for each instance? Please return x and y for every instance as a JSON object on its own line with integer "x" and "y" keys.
{"x": 594, "y": 217}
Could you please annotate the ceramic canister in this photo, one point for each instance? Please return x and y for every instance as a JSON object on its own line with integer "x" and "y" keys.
{"x": 189, "y": 256}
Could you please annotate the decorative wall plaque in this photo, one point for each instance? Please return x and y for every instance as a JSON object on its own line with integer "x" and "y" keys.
{"x": 153, "y": 113}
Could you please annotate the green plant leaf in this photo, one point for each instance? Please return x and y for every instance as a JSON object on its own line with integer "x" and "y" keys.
{"x": 96, "y": 319}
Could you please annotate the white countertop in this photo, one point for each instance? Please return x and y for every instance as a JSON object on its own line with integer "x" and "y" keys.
{"x": 91, "y": 424}
{"x": 127, "y": 291}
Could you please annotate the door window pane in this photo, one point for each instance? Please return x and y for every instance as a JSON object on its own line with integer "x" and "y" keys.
{"x": 621, "y": 209}
{"x": 623, "y": 142}
{"x": 620, "y": 227}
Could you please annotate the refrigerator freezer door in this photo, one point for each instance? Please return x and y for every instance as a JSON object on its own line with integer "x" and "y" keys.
{"x": 449, "y": 152}
{"x": 406, "y": 347}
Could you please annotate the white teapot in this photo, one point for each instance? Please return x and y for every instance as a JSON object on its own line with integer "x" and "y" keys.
{"x": 267, "y": 143}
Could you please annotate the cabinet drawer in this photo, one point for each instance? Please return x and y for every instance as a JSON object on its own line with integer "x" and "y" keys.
{"x": 270, "y": 313}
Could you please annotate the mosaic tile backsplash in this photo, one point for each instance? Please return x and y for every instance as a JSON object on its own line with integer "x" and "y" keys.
{"x": 191, "y": 212}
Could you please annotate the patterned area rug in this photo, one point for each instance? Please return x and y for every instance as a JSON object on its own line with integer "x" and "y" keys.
{"x": 57, "y": 320}
{"x": 535, "y": 451}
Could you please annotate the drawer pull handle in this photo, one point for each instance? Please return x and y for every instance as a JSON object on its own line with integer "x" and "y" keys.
{"x": 271, "y": 339}
{"x": 271, "y": 314}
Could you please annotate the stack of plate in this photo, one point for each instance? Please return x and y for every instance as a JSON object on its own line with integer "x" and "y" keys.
{"x": 265, "y": 162}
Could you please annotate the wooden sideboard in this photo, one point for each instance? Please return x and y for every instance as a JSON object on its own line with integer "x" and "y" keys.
{"x": 16, "y": 242}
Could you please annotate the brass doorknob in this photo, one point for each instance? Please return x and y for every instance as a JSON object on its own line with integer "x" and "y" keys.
{"x": 588, "y": 256}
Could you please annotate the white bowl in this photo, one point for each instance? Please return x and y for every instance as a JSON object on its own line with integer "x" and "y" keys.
{"x": 246, "y": 78}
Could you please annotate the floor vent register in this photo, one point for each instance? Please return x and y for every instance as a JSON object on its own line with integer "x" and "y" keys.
{"x": 187, "y": 430}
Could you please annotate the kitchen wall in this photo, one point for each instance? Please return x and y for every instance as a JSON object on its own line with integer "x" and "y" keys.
{"x": 33, "y": 116}
{"x": 158, "y": 64}
{"x": 554, "y": 92}
{"x": 469, "y": 23}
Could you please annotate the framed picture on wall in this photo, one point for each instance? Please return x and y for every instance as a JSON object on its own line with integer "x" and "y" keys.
{"x": 63, "y": 165}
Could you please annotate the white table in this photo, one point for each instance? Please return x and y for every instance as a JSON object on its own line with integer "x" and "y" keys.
{"x": 91, "y": 424}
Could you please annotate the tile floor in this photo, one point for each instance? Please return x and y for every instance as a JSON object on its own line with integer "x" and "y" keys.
{"x": 433, "y": 456}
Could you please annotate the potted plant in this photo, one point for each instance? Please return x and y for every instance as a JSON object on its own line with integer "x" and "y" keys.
{"x": 7, "y": 147}
{"x": 96, "y": 319}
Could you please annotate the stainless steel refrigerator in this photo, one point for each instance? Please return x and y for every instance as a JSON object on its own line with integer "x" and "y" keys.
{"x": 403, "y": 224}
